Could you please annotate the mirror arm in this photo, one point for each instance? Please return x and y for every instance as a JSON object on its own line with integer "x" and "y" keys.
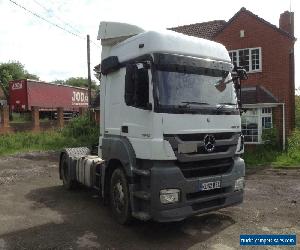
{"x": 148, "y": 106}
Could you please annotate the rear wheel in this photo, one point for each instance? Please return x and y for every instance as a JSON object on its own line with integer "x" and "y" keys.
{"x": 119, "y": 197}
{"x": 68, "y": 183}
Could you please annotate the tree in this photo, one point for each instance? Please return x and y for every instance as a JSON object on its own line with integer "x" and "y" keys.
{"x": 80, "y": 82}
{"x": 297, "y": 111}
{"x": 13, "y": 71}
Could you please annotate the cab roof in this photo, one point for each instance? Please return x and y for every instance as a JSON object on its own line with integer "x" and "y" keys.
{"x": 170, "y": 42}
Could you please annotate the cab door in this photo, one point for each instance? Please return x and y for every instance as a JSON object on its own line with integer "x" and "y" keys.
{"x": 137, "y": 118}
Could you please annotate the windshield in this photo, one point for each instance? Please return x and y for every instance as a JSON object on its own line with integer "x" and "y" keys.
{"x": 181, "y": 88}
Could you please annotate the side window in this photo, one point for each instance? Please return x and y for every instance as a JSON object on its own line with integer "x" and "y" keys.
{"x": 233, "y": 57}
{"x": 266, "y": 119}
{"x": 244, "y": 59}
{"x": 137, "y": 86}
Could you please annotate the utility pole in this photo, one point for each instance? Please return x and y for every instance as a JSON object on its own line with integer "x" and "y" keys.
{"x": 89, "y": 72}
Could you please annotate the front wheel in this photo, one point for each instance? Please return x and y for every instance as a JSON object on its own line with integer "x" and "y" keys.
{"x": 119, "y": 197}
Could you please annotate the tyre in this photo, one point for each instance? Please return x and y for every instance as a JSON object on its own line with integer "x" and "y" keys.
{"x": 68, "y": 183}
{"x": 119, "y": 197}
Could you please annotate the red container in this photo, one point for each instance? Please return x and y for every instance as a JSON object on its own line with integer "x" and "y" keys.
{"x": 23, "y": 94}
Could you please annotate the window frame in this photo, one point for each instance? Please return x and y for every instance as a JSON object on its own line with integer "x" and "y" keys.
{"x": 257, "y": 115}
{"x": 260, "y": 114}
{"x": 267, "y": 114}
{"x": 134, "y": 86}
{"x": 236, "y": 51}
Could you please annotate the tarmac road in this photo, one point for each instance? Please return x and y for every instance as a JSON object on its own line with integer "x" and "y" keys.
{"x": 37, "y": 213}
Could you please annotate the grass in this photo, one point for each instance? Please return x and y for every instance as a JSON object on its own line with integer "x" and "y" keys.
{"x": 29, "y": 141}
{"x": 21, "y": 118}
{"x": 272, "y": 158}
{"x": 82, "y": 132}
{"x": 25, "y": 118}
{"x": 78, "y": 132}
{"x": 269, "y": 156}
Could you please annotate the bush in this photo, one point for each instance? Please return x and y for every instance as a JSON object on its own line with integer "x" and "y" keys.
{"x": 271, "y": 155}
{"x": 78, "y": 132}
{"x": 270, "y": 139}
{"x": 260, "y": 156}
{"x": 292, "y": 155}
{"x": 297, "y": 111}
{"x": 83, "y": 130}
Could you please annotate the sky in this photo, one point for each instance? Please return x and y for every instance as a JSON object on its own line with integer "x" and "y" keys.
{"x": 54, "y": 54}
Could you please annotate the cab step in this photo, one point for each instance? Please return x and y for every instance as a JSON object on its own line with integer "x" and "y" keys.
{"x": 141, "y": 172}
{"x": 142, "y": 195}
{"x": 141, "y": 216}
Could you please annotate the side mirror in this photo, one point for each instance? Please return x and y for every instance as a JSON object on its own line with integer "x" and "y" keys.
{"x": 240, "y": 72}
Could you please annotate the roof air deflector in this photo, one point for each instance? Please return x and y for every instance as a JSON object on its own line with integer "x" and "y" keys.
{"x": 112, "y": 33}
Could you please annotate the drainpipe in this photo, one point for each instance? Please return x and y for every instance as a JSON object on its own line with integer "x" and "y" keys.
{"x": 283, "y": 125}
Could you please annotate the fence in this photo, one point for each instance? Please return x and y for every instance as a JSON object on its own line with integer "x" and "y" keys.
{"x": 35, "y": 124}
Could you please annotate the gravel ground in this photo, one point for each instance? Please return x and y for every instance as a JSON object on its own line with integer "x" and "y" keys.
{"x": 37, "y": 213}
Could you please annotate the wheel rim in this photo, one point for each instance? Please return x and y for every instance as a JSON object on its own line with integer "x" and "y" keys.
{"x": 118, "y": 197}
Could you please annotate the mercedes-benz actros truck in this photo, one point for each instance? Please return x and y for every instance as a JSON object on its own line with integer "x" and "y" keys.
{"x": 171, "y": 143}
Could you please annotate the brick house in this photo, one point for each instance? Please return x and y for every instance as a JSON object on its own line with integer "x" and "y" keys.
{"x": 267, "y": 53}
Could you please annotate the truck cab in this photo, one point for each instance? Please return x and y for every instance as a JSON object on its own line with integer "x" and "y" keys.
{"x": 171, "y": 143}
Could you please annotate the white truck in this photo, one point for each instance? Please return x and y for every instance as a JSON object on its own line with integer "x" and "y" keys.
{"x": 171, "y": 142}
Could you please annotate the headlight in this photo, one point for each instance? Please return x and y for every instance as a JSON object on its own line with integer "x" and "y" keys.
{"x": 239, "y": 184}
{"x": 169, "y": 196}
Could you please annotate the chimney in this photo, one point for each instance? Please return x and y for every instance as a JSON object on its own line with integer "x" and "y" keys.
{"x": 286, "y": 22}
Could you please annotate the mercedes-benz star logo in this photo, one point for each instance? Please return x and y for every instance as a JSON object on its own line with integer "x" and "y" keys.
{"x": 209, "y": 143}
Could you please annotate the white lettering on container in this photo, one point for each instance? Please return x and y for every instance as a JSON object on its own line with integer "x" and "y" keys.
{"x": 79, "y": 98}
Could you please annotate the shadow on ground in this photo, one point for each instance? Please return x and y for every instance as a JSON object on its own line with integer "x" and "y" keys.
{"x": 88, "y": 224}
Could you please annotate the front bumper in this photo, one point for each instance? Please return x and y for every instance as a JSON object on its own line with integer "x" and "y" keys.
{"x": 214, "y": 203}
{"x": 192, "y": 199}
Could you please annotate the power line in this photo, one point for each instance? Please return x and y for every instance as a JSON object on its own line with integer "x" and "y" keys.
{"x": 48, "y": 21}
{"x": 49, "y": 10}
{"x": 44, "y": 19}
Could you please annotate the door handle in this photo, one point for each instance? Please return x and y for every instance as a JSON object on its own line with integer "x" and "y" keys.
{"x": 124, "y": 129}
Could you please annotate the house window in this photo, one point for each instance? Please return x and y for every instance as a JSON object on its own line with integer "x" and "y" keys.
{"x": 254, "y": 121}
{"x": 266, "y": 118}
{"x": 250, "y": 125}
{"x": 233, "y": 57}
{"x": 255, "y": 59}
{"x": 250, "y": 58}
{"x": 244, "y": 59}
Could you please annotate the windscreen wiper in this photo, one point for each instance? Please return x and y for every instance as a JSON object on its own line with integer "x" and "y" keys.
{"x": 187, "y": 104}
{"x": 227, "y": 103}
{"x": 198, "y": 103}
{"x": 223, "y": 104}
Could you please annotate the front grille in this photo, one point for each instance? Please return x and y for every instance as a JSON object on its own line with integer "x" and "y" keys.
{"x": 205, "y": 168}
{"x": 208, "y": 204}
{"x": 200, "y": 137}
{"x": 207, "y": 193}
{"x": 224, "y": 143}
{"x": 218, "y": 149}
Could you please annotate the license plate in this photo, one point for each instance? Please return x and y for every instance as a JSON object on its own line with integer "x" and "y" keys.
{"x": 210, "y": 185}
{"x": 186, "y": 148}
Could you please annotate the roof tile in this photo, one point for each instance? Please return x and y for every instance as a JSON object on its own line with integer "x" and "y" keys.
{"x": 257, "y": 94}
{"x": 205, "y": 30}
